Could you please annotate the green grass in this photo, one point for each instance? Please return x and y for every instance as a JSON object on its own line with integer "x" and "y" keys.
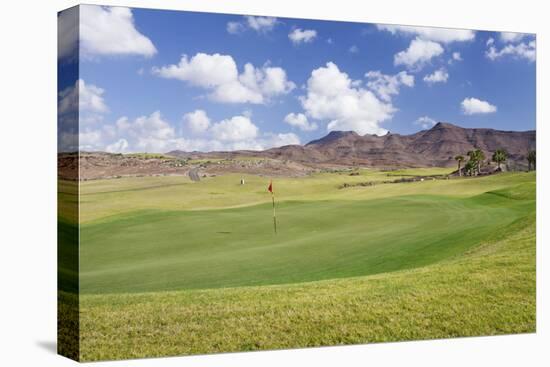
{"x": 171, "y": 267}
{"x": 488, "y": 290}
{"x": 103, "y": 198}
{"x": 170, "y": 250}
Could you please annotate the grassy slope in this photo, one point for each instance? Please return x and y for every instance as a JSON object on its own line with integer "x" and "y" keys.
{"x": 483, "y": 283}
{"x": 103, "y": 198}
{"x": 169, "y": 250}
{"x": 155, "y": 251}
{"x": 486, "y": 291}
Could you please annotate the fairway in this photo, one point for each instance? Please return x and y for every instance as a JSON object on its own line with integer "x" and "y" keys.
{"x": 358, "y": 231}
{"x": 153, "y": 251}
{"x": 356, "y": 256}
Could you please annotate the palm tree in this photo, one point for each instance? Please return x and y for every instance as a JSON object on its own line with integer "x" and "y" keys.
{"x": 476, "y": 157}
{"x": 459, "y": 159}
{"x": 480, "y": 156}
{"x": 499, "y": 156}
{"x": 469, "y": 168}
{"x": 532, "y": 159}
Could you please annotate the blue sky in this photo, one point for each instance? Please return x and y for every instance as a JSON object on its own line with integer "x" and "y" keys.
{"x": 259, "y": 82}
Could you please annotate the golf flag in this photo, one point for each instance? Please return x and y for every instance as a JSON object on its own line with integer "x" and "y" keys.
{"x": 270, "y": 189}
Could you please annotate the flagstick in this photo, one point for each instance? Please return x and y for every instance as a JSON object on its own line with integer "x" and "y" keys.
{"x": 274, "y": 217}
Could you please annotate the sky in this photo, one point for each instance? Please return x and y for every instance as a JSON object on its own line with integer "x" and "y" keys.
{"x": 144, "y": 80}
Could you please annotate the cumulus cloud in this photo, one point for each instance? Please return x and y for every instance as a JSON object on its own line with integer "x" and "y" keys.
{"x": 278, "y": 140}
{"x": 419, "y": 53}
{"x": 80, "y": 106}
{"x": 333, "y": 96}
{"x": 235, "y": 27}
{"x": 119, "y": 146}
{"x": 299, "y": 35}
{"x": 258, "y": 24}
{"x": 425, "y": 122}
{"x": 455, "y": 57}
{"x": 300, "y": 121}
{"x": 261, "y": 24}
{"x": 443, "y": 35}
{"x": 512, "y": 36}
{"x": 472, "y": 106}
{"x": 111, "y": 31}
{"x": 153, "y": 133}
{"x": 219, "y": 74}
{"x": 387, "y": 85}
{"x": 80, "y": 103}
{"x": 237, "y": 128}
{"x": 197, "y": 121}
{"x": 523, "y": 50}
{"x": 438, "y": 76}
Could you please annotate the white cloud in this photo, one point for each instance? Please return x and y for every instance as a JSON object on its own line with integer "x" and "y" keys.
{"x": 523, "y": 50}
{"x": 299, "y": 35}
{"x": 332, "y": 95}
{"x": 490, "y": 41}
{"x": 202, "y": 70}
{"x": 512, "y": 36}
{"x": 278, "y": 140}
{"x": 387, "y": 85}
{"x": 443, "y": 35}
{"x": 300, "y": 121}
{"x": 261, "y": 24}
{"x": 89, "y": 139}
{"x": 81, "y": 97}
{"x": 237, "y": 128}
{"x": 353, "y": 49}
{"x": 471, "y": 106}
{"x": 258, "y": 24}
{"x": 438, "y": 76}
{"x": 154, "y": 134}
{"x": 235, "y": 27}
{"x": 119, "y": 146}
{"x": 418, "y": 54}
{"x": 197, "y": 121}
{"x": 111, "y": 31}
{"x": 455, "y": 57}
{"x": 425, "y": 122}
{"x": 219, "y": 74}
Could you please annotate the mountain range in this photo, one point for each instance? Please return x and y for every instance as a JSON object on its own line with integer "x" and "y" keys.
{"x": 433, "y": 147}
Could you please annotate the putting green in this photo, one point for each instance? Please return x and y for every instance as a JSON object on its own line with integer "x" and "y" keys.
{"x": 354, "y": 233}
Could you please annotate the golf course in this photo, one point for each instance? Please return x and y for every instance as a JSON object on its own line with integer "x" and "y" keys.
{"x": 169, "y": 266}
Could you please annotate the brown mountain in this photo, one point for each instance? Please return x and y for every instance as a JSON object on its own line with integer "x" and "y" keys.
{"x": 434, "y": 147}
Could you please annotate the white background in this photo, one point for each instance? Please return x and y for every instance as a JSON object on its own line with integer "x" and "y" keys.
{"x": 28, "y": 102}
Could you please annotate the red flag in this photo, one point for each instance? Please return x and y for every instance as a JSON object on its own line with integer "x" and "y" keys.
{"x": 270, "y": 188}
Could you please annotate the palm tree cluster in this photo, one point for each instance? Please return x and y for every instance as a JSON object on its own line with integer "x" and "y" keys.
{"x": 476, "y": 157}
{"x": 499, "y": 157}
{"x": 475, "y": 161}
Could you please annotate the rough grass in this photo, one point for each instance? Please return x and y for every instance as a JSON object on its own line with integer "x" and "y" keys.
{"x": 103, "y": 198}
{"x": 489, "y": 290}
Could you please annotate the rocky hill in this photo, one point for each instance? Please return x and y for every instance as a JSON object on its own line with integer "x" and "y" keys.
{"x": 434, "y": 147}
